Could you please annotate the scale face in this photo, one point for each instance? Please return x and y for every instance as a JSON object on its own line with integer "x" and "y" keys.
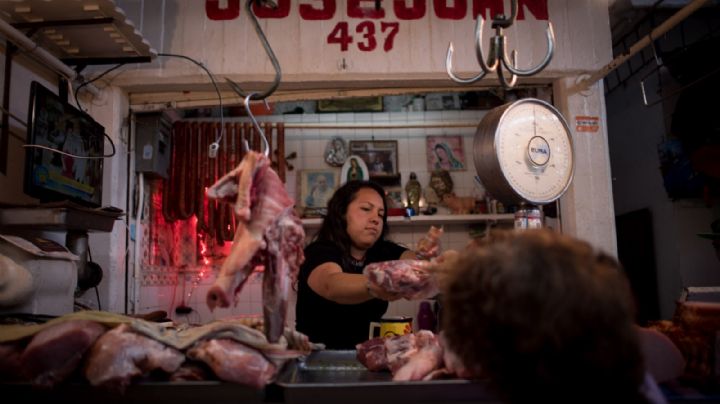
{"x": 529, "y": 143}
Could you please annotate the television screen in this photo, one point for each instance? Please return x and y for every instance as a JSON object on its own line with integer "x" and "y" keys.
{"x": 51, "y": 176}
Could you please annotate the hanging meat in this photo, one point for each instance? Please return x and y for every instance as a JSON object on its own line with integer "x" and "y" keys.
{"x": 268, "y": 233}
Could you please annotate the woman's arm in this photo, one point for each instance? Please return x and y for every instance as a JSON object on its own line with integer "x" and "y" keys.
{"x": 329, "y": 281}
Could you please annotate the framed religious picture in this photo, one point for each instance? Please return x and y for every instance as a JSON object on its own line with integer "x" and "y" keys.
{"x": 354, "y": 169}
{"x": 354, "y": 104}
{"x": 380, "y": 156}
{"x": 394, "y": 197}
{"x": 336, "y": 152}
{"x": 445, "y": 153}
{"x": 315, "y": 187}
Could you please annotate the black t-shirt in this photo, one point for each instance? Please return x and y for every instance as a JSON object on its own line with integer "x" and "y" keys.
{"x": 338, "y": 326}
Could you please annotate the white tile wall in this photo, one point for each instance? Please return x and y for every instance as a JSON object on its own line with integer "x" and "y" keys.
{"x": 310, "y": 145}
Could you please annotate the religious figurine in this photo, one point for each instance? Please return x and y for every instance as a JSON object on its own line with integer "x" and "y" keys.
{"x": 441, "y": 184}
{"x": 413, "y": 190}
{"x": 335, "y": 152}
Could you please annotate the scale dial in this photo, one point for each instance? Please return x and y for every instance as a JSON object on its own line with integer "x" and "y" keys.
{"x": 523, "y": 152}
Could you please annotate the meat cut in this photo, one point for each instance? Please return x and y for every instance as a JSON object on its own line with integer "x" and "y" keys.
{"x": 419, "y": 356}
{"x": 410, "y": 279}
{"x": 120, "y": 355}
{"x": 268, "y": 233}
{"x": 54, "y": 353}
{"x": 114, "y": 351}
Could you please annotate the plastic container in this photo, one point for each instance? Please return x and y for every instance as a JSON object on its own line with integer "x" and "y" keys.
{"x": 426, "y": 318}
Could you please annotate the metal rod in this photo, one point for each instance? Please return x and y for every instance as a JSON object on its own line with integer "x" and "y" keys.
{"x": 30, "y": 47}
{"x": 661, "y": 29}
{"x": 323, "y": 126}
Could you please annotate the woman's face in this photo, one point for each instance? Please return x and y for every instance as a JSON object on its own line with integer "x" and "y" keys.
{"x": 365, "y": 218}
{"x": 441, "y": 153}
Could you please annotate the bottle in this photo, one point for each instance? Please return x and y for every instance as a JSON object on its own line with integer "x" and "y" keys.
{"x": 426, "y": 317}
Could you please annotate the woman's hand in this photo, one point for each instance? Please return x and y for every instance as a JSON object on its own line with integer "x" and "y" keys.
{"x": 377, "y": 292}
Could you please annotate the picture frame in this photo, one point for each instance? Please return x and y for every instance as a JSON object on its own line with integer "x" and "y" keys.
{"x": 355, "y": 104}
{"x": 380, "y": 156}
{"x": 445, "y": 153}
{"x": 354, "y": 169}
{"x": 394, "y": 197}
{"x": 316, "y": 187}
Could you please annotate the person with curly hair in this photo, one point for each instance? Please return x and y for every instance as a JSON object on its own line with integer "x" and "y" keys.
{"x": 546, "y": 318}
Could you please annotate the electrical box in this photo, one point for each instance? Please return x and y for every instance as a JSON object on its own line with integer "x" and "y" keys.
{"x": 152, "y": 144}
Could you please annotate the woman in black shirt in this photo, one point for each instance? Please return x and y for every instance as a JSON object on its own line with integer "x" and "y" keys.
{"x": 336, "y": 303}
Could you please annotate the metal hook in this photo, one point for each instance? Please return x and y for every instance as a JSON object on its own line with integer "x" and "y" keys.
{"x": 498, "y": 52}
{"x": 451, "y": 49}
{"x": 268, "y": 50}
{"x": 265, "y": 145}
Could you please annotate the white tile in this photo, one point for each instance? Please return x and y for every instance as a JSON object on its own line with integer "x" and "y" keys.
{"x": 310, "y": 118}
{"x": 365, "y": 117}
{"x": 346, "y": 117}
{"x": 327, "y": 118}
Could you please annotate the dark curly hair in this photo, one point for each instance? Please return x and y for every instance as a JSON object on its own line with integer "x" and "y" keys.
{"x": 546, "y": 318}
{"x": 334, "y": 226}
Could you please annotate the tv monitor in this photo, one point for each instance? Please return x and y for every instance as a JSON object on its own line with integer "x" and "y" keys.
{"x": 55, "y": 177}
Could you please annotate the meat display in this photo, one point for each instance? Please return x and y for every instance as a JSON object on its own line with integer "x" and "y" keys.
{"x": 234, "y": 362}
{"x": 268, "y": 233}
{"x": 418, "y": 356}
{"x": 120, "y": 355}
{"x": 113, "y": 351}
{"x": 411, "y": 279}
{"x": 54, "y": 353}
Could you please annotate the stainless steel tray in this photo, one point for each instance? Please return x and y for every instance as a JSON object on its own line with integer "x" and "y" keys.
{"x": 337, "y": 376}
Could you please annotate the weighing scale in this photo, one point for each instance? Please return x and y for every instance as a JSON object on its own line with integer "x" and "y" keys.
{"x": 523, "y": 154}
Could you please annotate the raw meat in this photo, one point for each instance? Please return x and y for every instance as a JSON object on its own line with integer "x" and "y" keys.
{"x": 419, "y": 356}
{"x": 120, "y": 355}
{"x": 427, "y": 358}
{"x": 372, "y": 354}
{"x": 55, "y": 352}
{"x": 234, "y": 362}
{"x": 267, "y": 233}
{"x": 10, "y": 365}
{"x": 410, "y": 279}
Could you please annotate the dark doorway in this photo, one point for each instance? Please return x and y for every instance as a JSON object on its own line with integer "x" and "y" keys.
{"x": 636, "y": 251}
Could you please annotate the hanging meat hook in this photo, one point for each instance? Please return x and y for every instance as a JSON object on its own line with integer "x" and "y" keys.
{"x": 265, "y": 145}
{"x": 273, "y": 59}
{"x": 498, "y": 57}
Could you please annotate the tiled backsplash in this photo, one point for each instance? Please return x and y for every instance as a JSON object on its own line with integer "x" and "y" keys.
{"x": 309, "y": 144}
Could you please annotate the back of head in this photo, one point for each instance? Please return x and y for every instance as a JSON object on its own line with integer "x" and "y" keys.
{"x": 546, "y": 317}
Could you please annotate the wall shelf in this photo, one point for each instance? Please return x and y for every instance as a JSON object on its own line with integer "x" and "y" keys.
{"x": 424, "y": 220}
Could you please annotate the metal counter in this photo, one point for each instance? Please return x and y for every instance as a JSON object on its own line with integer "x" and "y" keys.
{"x": 338, "y": 377}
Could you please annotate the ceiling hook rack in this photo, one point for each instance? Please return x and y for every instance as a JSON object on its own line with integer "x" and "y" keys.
{"x": 497, "y": 58}
{"x": 271, "y": 55}
{"x": 265, "y": 149}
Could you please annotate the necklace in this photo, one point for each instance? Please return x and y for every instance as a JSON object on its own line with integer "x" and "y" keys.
{"x": 356, "y": 262}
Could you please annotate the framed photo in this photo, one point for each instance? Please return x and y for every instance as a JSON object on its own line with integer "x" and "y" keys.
{"x": 354, "y": 169}
{"x": 380, "y": 156}
{"x": 315, "y": 187}
{"x": 356, "y": 104}
{"x": 445, "y": 153}
{"x": 394, "y": 197}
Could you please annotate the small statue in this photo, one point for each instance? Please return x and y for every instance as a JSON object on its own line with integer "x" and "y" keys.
{"x": 413, "y": 190}
{"x": 441, "y": 183}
